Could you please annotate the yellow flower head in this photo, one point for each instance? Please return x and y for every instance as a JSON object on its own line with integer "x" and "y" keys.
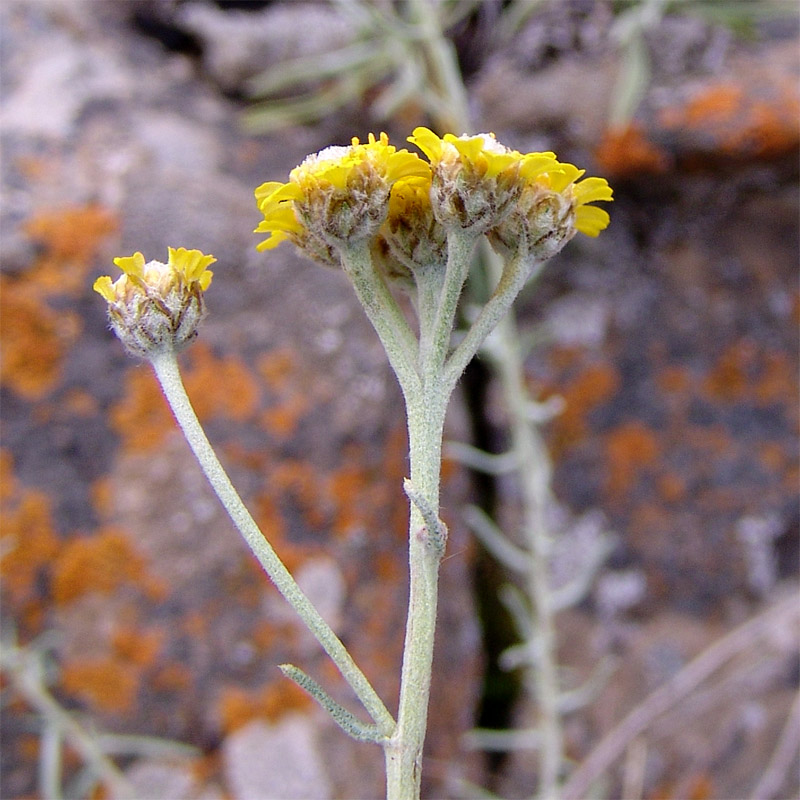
{"x": 411, "y": 236}
{"x": 553, "y": 207}
{"x": 153, "y": 306}
{"x": 476, "y": 179}
{"x": 335, "y": 197}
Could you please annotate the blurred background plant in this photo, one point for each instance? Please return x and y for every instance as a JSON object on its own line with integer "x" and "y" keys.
{"x": 397, "y": 57}
{"x": 28, "y": 672}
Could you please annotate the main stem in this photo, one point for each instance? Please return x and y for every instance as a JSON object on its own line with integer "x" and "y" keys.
{"x": 426, "y": 397}
{"x": 403, "y": 751}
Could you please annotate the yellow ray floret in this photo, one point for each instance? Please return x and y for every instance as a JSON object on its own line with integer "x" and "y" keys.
{"x": 481, "y": 153}
{"x": 589, "y": 220}
{"x": 183, "y": 267}
{"x": 192, "y": 265}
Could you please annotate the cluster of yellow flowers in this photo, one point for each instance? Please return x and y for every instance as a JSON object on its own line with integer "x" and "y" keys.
{"x": 403, "y": 207}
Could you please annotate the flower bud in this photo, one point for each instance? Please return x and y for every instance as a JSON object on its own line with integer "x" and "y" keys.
{"x": 155, "y": 307}
{"x": 551, "y": 209}
{"x": 411, "y": 237}
{"x": 476, "y": 180}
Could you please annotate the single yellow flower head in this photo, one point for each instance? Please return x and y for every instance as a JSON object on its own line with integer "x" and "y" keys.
{"x": 410, "y": 235}
{"x": 476, "y": 179}
{"x": 553, "y": 207}
{"x": 155, "y": 306}
{"x": 335, "y": 197}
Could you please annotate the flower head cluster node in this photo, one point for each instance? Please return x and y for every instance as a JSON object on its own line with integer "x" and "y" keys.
{"x": 527, "y": 204}
{"x": 154, "y": 306}
{"x": 336, "y": 197}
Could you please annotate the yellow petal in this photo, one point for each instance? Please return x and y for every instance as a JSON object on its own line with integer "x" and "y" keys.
{"x": 281, "y": 218}
{"x": 406, "y": 165}
{"x": 591, "y": 220}
{"x": 274, "y": 240}
{"x": 104, "y": 287}
{"x": 567, "y": 174}
{"x": 428, "y": 142}
{"x": 267, "y": 189}
{"x": 591, "y": 190}
{"x": 534, "y": 164}
{"x": 132, "y": 265}
{"x": 190, "y": 263}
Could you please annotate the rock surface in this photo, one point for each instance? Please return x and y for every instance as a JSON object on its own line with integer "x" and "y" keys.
{"x": 671, "y": 341}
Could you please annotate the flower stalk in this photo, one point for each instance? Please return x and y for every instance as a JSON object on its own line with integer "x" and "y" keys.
{"x": 166, "y": 368}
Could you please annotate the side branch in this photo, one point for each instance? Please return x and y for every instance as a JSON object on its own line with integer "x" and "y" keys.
{"x": 515, "y": 275}
{"x": 385, "y": 315}
{"x": 166, "y": 369}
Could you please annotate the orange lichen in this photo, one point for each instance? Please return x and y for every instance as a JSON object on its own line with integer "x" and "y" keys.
{"x": 589, "y": 389}
{"x": 99, "y": 792}
{"x": 776, "y": 380}
{"x": 35, "y": 339}
{"x": 626, "y": 151}
{"x": 172, "y": 677}
{"x": 29, "y": 746}
{"x": 269, "y": 517}
{"x": 141, "y": 417}
{"x": 236, "y": 706}
{"x": 8, "y": 483}
{"x": 268, "y": 633}
{"x": 71, "y": 239}
{"x": 102, "y": 495}
{"x": 394, "y": 518}
{"x": 195, "y": 624}
{"x": 770, "y": 130}
{"x": 672, "y": 487}
{"x": 387, "y": 568}
{"x": 276, "y": 368}
{"x": 663, "y": 791}
{"x": 300, "y": 481}
{"x": 728, "y": 380}
{"x": 701, "y": 787}
{"x": 747, "y": 372}
{"x": 35, "y": 336}
{"x": 220, "y": 387}
{"x": 29, "y": 543}
{"x": 106, "y": 684}
{"x": 772, "y": 456}
{"x": 137, "y": 646}
{"x": 755, "y": 121}
{"x": 631, "y": 448}
{"x": 353, "y": 491}
{"x": 99, "y": 563}
{"x": 79, "y": 403}
{"x": 715, "y": 104}
{"x": 288, "y": 396}
{"x": 282, "y": 420}
{"x": 674, "y": 380}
